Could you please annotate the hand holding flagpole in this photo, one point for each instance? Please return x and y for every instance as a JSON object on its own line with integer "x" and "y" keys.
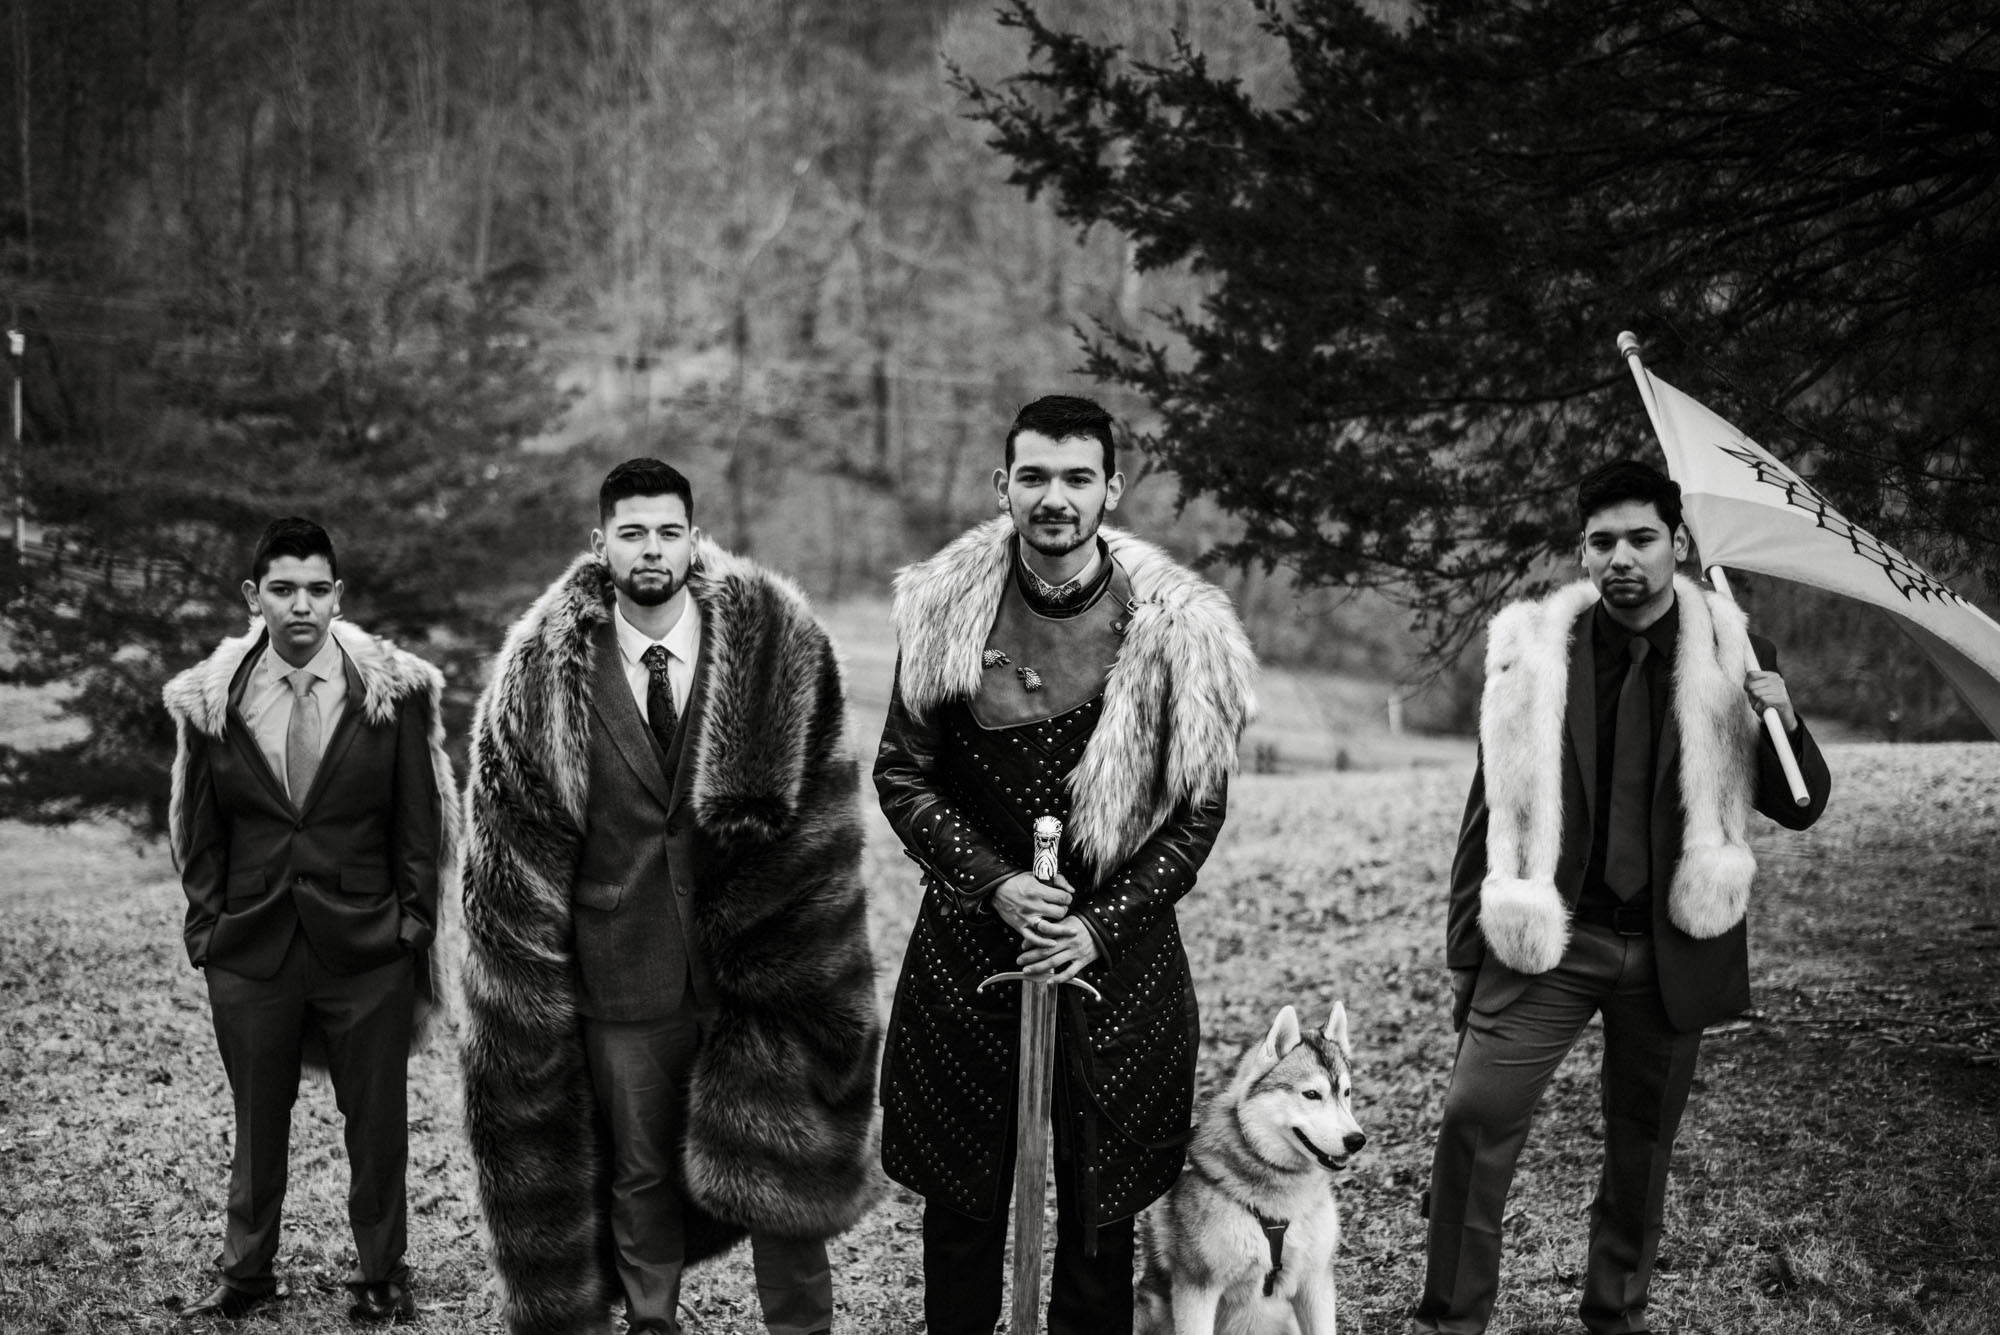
{"x": 1628, "y": 347}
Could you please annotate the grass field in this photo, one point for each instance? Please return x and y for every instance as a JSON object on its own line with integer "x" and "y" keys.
{"x": 1839, "y": 1170}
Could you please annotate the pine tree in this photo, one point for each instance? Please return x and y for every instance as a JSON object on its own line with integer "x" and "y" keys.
{"x": 1418, "y": 255}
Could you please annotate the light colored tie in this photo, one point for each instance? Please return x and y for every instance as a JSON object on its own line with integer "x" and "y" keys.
{"x": 301, "y": 736}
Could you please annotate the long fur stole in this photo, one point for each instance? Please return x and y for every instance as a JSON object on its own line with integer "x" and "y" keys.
{"x": 198, "y": 700}
{"x": 1175, "y": 703}
{"x": 1521, "y": 725}
{"x": 780, "y": 1133}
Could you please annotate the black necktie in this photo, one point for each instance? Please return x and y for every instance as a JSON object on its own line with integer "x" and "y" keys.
{"x": 1628, "y": 846}
{"x": 660, "y": 714}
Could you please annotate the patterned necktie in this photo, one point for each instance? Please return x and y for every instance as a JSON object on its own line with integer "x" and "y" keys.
{"x": 1628, "y": 847}
{"x": 660, "y": 715}
{"x": 301, "y": 737}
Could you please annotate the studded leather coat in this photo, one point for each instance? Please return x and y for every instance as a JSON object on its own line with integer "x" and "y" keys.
{"x": 962, "y": 796}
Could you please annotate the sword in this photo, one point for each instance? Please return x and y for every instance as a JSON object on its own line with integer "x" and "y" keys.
{"x": 1031, "y": 1106}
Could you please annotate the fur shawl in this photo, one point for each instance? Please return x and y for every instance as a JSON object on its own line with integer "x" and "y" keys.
{"x": 1175, "y": 703}
{"x": 780, "y": 1122}
{"x": 198, "y": 700}
{"x": 1521, "y": 732}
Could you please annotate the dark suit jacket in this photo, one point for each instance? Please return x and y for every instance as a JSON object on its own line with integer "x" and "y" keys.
{"x": 1701, "y": 981}
{"x": 641, "y": 852}
{"x": 354, "y": 867}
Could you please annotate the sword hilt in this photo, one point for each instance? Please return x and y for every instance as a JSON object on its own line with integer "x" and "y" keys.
{"x": 1019, "y": 976}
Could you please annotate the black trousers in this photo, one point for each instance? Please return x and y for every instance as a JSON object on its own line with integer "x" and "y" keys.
{"x": 639, "y": 1071}
{"x": 964, "y": 1288}
{"x": 1504, "y": 1063}
{"x": 260, "y": 1025}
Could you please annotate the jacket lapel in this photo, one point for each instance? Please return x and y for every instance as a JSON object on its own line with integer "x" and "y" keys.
{"x": 343, "y": 733}
{"x": 618, "y": 713}
{"x": 238, "y": 728}
{"x": 1581, "y": 711}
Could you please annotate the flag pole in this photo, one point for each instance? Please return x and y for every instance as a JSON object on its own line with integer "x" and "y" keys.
{"x": 1628, "y": 347}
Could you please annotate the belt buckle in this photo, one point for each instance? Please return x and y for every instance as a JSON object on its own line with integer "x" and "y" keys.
{"x": 1632, "y": 920}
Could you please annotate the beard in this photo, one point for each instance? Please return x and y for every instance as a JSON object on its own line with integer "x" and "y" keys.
{"x": 1634, "y": 594}
{"x": 1085, "y": 530}
{"x": 660, "y": 586}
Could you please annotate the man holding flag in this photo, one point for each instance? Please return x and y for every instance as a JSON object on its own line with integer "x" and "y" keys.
{"x": 1602, "y": 868}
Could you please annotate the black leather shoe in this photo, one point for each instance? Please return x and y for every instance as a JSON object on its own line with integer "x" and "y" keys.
{"x": 386, "y": 1301}
{"x": 225, "y": 1304}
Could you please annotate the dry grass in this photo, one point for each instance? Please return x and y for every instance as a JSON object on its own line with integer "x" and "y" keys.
{"x": 1838, "y": 1171}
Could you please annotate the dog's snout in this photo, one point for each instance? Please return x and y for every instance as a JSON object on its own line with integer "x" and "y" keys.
{"x": 1354, "y": 1140}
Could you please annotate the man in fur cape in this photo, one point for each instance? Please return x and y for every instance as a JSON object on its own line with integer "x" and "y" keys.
{"x": 1602, "y": 869}
{"x": 1048, "y": 669}
{"x": 312, "y": 817}
{"x": 670, "y": 1009}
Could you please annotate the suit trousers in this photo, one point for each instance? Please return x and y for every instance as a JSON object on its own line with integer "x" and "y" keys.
{"x": 260, "y": 1026}
{"x": 639, "y": 1072}
{"x": 1504, "y": 1063}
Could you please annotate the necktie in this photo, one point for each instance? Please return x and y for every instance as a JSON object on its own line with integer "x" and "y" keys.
{"x": 301, "y": 737}
{"x": 1628, "y": 847}
{"x": 660, "y": 714}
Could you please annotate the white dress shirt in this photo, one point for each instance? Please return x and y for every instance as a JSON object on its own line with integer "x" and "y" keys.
{"x": 682, "y": 643}
{"x": 267, "y": 701}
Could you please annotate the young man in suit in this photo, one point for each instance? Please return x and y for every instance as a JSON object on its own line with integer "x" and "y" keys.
{"x": 310, "y": 812}
{"x": 668, "y": 948}
{"x": 1602, "y": 868}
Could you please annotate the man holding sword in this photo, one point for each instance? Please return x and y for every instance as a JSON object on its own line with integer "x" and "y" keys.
{"x": 1050, "y": 671}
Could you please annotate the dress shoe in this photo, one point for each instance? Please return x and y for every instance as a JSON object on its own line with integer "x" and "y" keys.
{"x": 225, "y": 1304}
{"x": 383, "y": 1301}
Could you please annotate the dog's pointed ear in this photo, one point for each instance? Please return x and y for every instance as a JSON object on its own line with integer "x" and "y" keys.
{"x": 1284, "y": 1035}
{"x": 1336, "y": 1030}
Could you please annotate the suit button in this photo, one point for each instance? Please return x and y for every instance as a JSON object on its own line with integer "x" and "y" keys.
{"x": 680, "y": 889}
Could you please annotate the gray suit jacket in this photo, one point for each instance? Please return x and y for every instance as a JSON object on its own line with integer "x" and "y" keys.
{"x": 635, "y": 948}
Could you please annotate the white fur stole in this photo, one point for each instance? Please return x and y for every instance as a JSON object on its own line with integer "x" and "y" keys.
{"x": 1522, "y": 715}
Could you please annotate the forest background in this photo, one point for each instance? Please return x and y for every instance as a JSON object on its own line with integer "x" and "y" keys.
{"x": 426, "y": 270}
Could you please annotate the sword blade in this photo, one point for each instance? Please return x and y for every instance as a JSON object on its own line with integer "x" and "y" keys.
{"x": 1031, "y": 1150}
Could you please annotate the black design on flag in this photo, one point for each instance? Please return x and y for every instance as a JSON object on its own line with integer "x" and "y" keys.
{"x": 1907, "y": 578}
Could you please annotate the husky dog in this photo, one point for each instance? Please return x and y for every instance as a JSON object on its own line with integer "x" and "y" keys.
{"x": 1243, "y": 1244}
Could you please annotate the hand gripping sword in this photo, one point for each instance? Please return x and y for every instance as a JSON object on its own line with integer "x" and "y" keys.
{"x": 1031, "y": 1106}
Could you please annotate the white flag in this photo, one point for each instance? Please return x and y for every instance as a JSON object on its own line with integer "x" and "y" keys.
{"x": 1748, "y": 511}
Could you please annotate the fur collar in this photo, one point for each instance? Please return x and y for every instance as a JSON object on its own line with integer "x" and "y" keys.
{"x": 199, "y": 697}
{"x": 1521, "y": 731}
{"x": 198, "y": 700}
{"x": 1175, "y": 703}
{"x": 743, "y": 786}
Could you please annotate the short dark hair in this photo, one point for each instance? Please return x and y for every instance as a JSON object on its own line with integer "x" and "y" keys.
{"x": 1624, "y": 480}
{"x": 643, "y": 477}
{"x": 1061, "y": 416}
{"x": 292, "y": 536}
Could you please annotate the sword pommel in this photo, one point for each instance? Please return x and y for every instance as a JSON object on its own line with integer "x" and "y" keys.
{"x": 1048, "y": 837}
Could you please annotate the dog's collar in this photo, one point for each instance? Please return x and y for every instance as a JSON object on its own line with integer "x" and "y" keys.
{"x": 1274, "y": 1234}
